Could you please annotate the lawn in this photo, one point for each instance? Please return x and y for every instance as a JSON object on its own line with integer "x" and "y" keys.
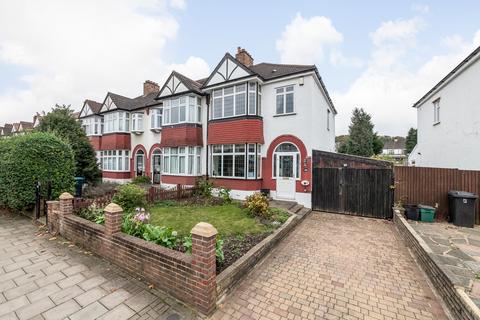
{"x": 228, "y": 219}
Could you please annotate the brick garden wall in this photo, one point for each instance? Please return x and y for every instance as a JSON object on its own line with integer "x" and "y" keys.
{"x": 189, "y": 278}
{"x": 457, "y": 301}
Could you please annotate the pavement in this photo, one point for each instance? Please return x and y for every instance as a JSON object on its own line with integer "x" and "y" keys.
{"x": 45, "y": 278}
{"x": 456, "y": 251}
{"x": 336, "y": 267}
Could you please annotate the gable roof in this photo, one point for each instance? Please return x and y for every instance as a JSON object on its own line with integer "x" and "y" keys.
{"x": 94, "y": 106}
{"x": 229, "y": 73}
{"x": 7, "y": 129}
{"x": 26, "y": 125}
{"x": 189, "y": 85}
{"x": 394, "y": 143}
{"x": 470, "y": 57}
{"x": 129, "y": 104}
{"x": 269, "y": 71}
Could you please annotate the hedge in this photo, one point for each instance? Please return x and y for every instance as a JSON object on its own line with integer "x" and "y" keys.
{"x": 33, "y": 157}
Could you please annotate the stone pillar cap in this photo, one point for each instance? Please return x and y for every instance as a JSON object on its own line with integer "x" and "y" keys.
{"x": 113, "y": 208}
{"x": 204, "y": 229}
{"x": 65, "y": 196}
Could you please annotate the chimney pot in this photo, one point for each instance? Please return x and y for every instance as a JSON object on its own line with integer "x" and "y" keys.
{"x": 150, "y": 87}
{"x": 244, "y": 57}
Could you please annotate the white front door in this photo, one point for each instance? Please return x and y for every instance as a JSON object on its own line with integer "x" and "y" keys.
{"x": 286, "y": 166}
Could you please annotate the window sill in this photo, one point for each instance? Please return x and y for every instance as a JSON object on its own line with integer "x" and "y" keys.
{"x": 436, "y": 123}
{"x": 180, "y": 175}
{"x": 137, "y": 131}
{"x": 117, "y": 171}
{"x": 235, "y": 178}
{"x": 157, "y": 130}
{"x": 285, "y": 114}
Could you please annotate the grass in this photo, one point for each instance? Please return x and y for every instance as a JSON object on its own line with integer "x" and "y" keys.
{"x": 229, "y": 219}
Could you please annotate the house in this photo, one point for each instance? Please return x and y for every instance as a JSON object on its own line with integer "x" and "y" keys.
{"x": 247, "y": 127}
{"x": 6, "y": 130}
{"x": 448, "y": 120}
{"x": 394, "y": 147}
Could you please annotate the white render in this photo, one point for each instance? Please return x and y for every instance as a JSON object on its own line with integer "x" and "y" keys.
{"x": 454, "y": 142}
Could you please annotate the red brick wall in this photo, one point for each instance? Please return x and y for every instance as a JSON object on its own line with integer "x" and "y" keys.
{"x": 267, "y": 172}
{"x": 184, "y": 180}
{"x": 115, "y": 175}
{"x": 182, "y": 135}
{"x": 116, "y": 141}
{"x": 236, "y": 131}
{"x": 238, "y": 184}
{"x": 96, "y": 142}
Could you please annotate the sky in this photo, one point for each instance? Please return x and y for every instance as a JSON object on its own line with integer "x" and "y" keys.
{"x": 378, "y": 55}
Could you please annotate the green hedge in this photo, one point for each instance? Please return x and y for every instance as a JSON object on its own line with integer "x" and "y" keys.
{"x": 33, "y": 157}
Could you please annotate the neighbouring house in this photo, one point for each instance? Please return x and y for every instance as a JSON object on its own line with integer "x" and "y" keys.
{"x": 6, "y": 130}
{"x": 247, "y": 127}
{"x": 448, "y": 119}
{"x": 394, "y": 147}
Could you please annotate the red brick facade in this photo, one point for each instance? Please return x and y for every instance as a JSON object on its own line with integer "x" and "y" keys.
{"x": 238, "y": 184}
{"x": 184, "y": 180}
{"x": 236, "y": 131}
{"x": 115, "y": 175}
{"x": 96, "y": 142}
{"x": 116, "y": 141}
{"x": 182, "y": 135}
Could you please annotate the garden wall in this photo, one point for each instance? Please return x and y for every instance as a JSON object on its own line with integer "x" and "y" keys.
{"x": 190, "y": 279}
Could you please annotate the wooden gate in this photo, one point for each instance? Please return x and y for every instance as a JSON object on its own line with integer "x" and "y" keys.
{"x": 362, "y": 192}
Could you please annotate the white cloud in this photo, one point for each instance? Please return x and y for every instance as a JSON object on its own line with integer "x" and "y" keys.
{"x": 305, "y": 40}
{"x": 178, "y": 4}
{"x": 195, "y": 68}
{"x": 389, "y": 86}
{"x": 78, "y": 50}
{"x": 420, "y": 8}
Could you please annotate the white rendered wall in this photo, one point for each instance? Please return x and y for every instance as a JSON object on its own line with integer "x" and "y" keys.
{"x": 455, "y": 141}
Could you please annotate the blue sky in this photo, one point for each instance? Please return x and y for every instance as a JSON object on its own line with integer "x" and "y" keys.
{"x": 379, "y": 55}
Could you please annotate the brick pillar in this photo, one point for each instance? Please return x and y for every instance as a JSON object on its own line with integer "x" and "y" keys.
{"x": 113, "y": 219}
{"x": 65, "y": 209}
{"x": 52, "y": 213}
{"x": 204, "y": 237}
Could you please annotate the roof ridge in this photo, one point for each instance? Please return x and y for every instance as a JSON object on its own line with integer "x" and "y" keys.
{"x": 285, "y": 64}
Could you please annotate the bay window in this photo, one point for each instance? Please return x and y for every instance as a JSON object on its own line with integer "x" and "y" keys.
{"x": 156, "y": 118}
{"x": 117, "y": 122}
{"x": 115, "y": 160}
{"x": 232, "y": 101}
{"x": 236, "y": 161}
{"x": 284, "y": 100}
{"x": 184, "y": 161}
{"x": 185, "y": 109}
{"x": 93, "y": 126}
{"x": 137, "y": 121}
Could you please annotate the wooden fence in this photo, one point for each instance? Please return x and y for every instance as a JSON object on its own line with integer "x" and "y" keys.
{"x": 430, "y": 186}
{"x": 153, "y": 194}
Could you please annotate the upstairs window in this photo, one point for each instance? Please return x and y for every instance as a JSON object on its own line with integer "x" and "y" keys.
{"x": 156, "y": 118}
{"x": 230, "y": 101}
{"x": 117, "y": 122}
{"x": 285, "y": 100}
{"x": 137, "y": 121}
{"x": 182, "y": 110}
{"x": 436, "y": 111}
{"x": 93, "y": 126}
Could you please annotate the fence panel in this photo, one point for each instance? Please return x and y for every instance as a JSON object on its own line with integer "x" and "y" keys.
{"x": 430, "y": 186}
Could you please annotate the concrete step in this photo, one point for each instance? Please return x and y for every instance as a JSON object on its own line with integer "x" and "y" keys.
{"x": 304, "y": 211}
{"x": 297, "y": 208}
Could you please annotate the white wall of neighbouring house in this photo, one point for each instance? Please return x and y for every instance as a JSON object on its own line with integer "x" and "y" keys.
{"x": 147, "y": 138}
{"x": 454, "y": 142}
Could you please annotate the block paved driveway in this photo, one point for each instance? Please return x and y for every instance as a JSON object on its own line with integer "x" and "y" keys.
{"x": 335, "y": 267}
{"x": 48, "y": 278}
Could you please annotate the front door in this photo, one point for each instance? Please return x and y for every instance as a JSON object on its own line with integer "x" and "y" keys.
{"x": 157, "y": 166}
{"x": 140, "y": 165}
{"x": 286, "y": 164}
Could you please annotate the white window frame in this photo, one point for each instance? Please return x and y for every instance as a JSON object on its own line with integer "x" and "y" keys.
{"x": 115, "y": 160}
{"x": 192, "y": 106}
{"x": 137, "y": 121}
{"x": 283, "y": 92}
{"x": 93, "y": 126}
{"x": 156, "y": 118}
{"x": 118, "y": 121}
{"x": 436, "y": 111}
{"x": 188, "y": 155}
{"x": 250, "y": 150}
{"x": 219, "y": 95}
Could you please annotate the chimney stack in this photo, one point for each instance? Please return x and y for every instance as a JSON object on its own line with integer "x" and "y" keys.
{"x": 150, "y": 87}
{"x": 244, "y": 57}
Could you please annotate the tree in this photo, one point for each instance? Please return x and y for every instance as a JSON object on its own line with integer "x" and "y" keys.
{"x": 61, "y": 122}
{"x": 411, "y": 140}
{"x": 362, "y": 141}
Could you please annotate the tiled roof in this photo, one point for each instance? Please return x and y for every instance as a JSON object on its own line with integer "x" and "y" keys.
{"x": 7, "y": 129}
{"x": 139, "y": 102}
{"x": 94, "y": 106}
{"x": 26, "y": 125}
{"x": 269, "y": 71}
{"x": 394, "y": 143}
{"x": 192, "y": 85}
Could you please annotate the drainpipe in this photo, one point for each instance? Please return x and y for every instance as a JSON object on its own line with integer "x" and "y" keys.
{"x": 207, "y": 98}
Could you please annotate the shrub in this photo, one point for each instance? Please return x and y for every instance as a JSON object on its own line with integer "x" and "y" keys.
{"x": 129, "y": 197}
{"x": 204, "y": 188}
{"x": 93, "y": 213}
{"x": 160, "y": 235}
{"x": 220, "y": 257}
{"x": 257, "y": 205}
{"x": 134, "y": 223}
{"x": 142, "y": 180}
{"x": 224, "y": 193}
{"x": 33, "y": 157}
